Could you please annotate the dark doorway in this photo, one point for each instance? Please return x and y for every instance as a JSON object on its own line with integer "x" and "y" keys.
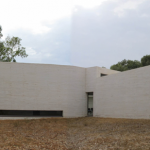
{"x": 90, "y": 104}
{"x": 30, "y": 113}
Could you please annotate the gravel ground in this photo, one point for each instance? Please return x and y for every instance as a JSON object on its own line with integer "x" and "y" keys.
{"x": 87, "y": 133}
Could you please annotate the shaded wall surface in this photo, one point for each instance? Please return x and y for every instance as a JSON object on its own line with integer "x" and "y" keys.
{"x": 92, "y": 74}
{"x": 123, "y": 95}
{"x": 43, "y": 87}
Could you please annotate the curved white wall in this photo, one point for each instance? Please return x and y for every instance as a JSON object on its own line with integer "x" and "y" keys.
{"x": 43, "y": 87}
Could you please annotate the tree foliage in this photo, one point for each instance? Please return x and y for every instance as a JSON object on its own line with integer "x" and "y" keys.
{"x": 130, "y": 64}
{"x": 145, "y": 60}
{"x": 1, "y": 46}
{"x": 12, "y": 48}
{"x": 126, "y": 65}
{"x": 1, "y": 32}
{"x": 1, "y": 43}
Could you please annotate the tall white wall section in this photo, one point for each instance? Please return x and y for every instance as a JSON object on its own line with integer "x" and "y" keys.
{"x": 123, "y": 95}
{"x": 43, "y": 87}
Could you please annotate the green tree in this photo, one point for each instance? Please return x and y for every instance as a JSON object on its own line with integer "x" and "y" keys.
{"x": 126, "y": 65}
{"x": 1, "y": 43}
{"x": 145, "y": 60}
{"x": 12, "y": 48}
{"x": 1, "y": 32}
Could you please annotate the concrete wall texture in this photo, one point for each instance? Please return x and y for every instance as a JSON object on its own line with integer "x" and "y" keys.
{"x": 43, "y": 87}
{"x": 92, "y": 74}
{"x": 123, "y": 95}
{"x": 56, "y": 87}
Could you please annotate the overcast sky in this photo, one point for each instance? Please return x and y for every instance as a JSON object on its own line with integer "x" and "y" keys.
{"x": 78, "y": 32}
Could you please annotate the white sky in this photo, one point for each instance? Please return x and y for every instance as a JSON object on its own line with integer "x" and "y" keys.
{"x": 78, "y": 32}
{"x": 32, "y": 14}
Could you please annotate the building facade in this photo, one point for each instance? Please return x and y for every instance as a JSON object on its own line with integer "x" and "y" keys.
{"x": 29, "y": 90}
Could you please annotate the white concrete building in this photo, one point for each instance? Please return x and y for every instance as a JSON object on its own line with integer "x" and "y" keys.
{"x": 29, "y": 90}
